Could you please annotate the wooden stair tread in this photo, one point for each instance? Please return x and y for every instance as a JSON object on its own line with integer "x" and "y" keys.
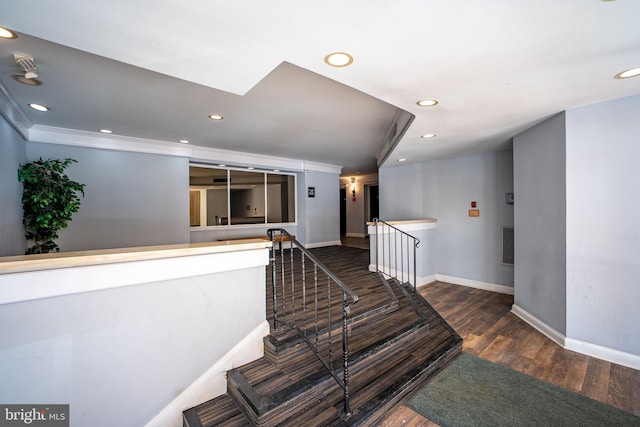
{"x": 396, "y": 342}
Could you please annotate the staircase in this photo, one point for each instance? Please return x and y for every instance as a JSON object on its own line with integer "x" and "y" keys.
{"x": 396, "y": 342}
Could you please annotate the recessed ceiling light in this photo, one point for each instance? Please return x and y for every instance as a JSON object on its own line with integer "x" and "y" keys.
{"x": 428, "y": 135}
{"x": 427, "y": 102}
{"x": 184, "y": 141}
{"x": 39, "y": 107}
{"x": 402, "y": 160}
{"x": 221, "y": 165}
{"x": 251, "y": 168}
{"x": 338, "y": 59}
{"x": 215, "y": 117}
{"x": 6, "y": 33}
{"x": 106, "y": 131}
{"x": 25, "y": 81}
{"x": 276, "y": 170}
{"x": 632, "y": 72}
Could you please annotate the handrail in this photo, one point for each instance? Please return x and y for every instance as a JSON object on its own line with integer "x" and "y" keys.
{"x": 315, "y": 330}
{"x": 390, "y": 253}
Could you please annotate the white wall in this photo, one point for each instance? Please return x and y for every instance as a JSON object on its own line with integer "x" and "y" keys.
{"x": 119, "y": 356}
{"x": 131, "y": 199}
{"x": 466, "y": 248}
{"x": 540, "y": 222}
{"x": 603, "y": 224}
{"x": 12, "y": 155}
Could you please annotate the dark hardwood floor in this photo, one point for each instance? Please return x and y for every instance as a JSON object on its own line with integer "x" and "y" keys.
{"x": 492, "y": 332}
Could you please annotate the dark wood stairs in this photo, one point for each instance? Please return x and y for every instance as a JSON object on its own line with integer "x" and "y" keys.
{"x": 397, "y": 343}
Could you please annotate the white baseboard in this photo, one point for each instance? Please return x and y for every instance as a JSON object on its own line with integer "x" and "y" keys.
{"x": 213, "y": 382}
{"x": 538, "y": 324}
{"x": 593, "y": 350}
{"x": 421, "y": 280}
{"x": 356, "y": 235}
{"x": 323, "y": 244}
{"x": 475, "y": 284}
{"x": 604, "y": 353}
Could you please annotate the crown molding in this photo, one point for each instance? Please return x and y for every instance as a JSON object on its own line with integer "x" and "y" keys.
{"x": 238, "y": 158}
{"x": 79, "y": 138}
{"x": 11, "y": 111}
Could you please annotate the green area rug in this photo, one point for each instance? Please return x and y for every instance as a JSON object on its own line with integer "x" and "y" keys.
{"x": 476, "y": 392}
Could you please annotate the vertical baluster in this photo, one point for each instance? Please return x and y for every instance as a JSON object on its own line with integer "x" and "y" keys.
{"x": 408, "y": 260}
{"x": 315, "y": 291}
{"x": 274, "y": 283}
{"x": 401, "y": 259}
{"x": 284, "y": 289}
{"x": 329, "y": 323}
{"x": 293, "y": 281}
{"x": 345, "y": 354}
{"x": 304, "y": 294}
{"x": 395, "y": 252}
{"x": 375, "y": 223}
{"x": 415, "y": 263}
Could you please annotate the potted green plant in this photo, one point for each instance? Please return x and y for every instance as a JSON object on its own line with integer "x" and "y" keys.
{"x": 49, "y": 199}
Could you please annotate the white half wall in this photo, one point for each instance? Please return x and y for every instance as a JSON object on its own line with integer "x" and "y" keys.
{"x": 120, "y": 356}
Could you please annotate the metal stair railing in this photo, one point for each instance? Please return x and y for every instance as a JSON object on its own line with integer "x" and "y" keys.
{"x": 305, "y": 304}
{"x": 396, "y": 253}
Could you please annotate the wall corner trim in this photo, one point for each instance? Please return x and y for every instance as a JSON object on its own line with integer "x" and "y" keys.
{"x": 539, "y": 325}
{"x": 213, "y": 382}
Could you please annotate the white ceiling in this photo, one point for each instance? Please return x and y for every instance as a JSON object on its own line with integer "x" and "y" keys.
{"x": 496, "y": 66}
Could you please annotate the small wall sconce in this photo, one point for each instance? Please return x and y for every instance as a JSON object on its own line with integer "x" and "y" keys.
{"x": 353, "y": 189}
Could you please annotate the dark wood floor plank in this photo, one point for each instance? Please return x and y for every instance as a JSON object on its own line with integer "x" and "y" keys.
{"x": 528, "y": 351}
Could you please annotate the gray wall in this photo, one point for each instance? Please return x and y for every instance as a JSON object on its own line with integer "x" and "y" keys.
{"x": 469, "y": 247}
{"x": 12, "y": 154}
{"x": 540, "y": 221}
{"x": 321, "y": 221}
{"x": 119, "y": 356}
{"x": 603, "y": 224}
{"x": 466, "y": 248}
{"x": 131, "y": 199}
{"x": 402, "y": 190}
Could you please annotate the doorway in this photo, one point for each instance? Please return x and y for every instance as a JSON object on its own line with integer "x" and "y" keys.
{"x": 374, "y": 203}
{"x": 343, "y": 211}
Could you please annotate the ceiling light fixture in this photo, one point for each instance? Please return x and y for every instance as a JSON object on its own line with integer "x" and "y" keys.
{"x": 215, "y": 117}
{"x": 184, "y": 141}
{"x": 427, "y": 102}
{"x": 6, "y": 33}
{"x": 251, "y": 168}
{"x": 402, "y": 160}
{"x": 338, "y": 59}
{"x": 221, "y": 165}
{"x": 632, "y": 72}
{"x": 428, "y": 135}
{"x": 38, "y": 107}
{"x": 25, "y": 81}
{"x": 107, "y": 131}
